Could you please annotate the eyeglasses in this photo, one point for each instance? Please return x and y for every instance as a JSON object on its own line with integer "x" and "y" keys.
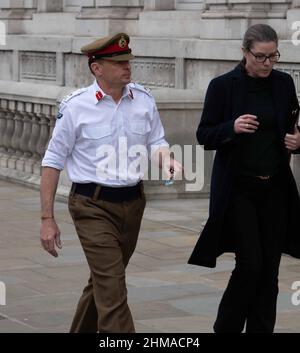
{"x": 261, "y": 58}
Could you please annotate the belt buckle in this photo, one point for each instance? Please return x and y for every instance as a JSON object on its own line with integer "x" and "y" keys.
{"x": 264, "y": 177}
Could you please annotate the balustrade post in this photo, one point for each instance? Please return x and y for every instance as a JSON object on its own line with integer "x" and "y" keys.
{"x": 43, "y": 136}
{"x": 52, "y": 121}
{"x": 26, "y": 134}
{"x": 35, "y": 131}
{"x": 16, "y": 138}
{"x": 3, "y": 125}
{"x": 10, "y": 128}
{"x": 24, "y": 139}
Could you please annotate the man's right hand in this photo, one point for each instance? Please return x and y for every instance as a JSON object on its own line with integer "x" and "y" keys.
{"x": 50, "y": 236}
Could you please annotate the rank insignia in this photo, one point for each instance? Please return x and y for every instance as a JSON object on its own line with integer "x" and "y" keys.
{"x": 99, "y": 96}
{"x": 59, "y": 115}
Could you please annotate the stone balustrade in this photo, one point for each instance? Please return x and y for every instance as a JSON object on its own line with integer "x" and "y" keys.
{"x": 24, "y": 133}
{"x": 27, "y": 119}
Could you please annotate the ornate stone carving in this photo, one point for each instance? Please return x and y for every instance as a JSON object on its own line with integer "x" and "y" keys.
{"x": 38, "y": 66}
{"x": 153, "y": 72}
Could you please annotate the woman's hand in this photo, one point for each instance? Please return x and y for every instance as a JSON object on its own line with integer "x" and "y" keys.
{"x": 292, "y": 141}
{"x": 246, "y": 124}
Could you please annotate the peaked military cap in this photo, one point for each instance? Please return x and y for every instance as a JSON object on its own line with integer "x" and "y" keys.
{"x": 113, "y": 48}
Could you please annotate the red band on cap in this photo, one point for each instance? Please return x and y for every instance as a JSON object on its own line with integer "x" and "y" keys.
{"x": 111, "y": 49}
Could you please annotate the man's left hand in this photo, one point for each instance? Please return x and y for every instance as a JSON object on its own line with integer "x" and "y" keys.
{"x": 172, "y": 167}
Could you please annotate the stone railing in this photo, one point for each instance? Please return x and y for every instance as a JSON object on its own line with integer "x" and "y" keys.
{"x": 27, "y": 119}
{"x": 25, "y": 128}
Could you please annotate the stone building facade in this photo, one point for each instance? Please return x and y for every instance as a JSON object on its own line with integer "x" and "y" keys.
{"x": 180, "y": 45}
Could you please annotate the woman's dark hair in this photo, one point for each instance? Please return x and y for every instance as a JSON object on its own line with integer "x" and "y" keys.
{"x": 258, "y": 33}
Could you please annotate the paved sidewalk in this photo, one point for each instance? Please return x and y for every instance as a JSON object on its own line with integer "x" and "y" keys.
{"x": 165, "y": 294}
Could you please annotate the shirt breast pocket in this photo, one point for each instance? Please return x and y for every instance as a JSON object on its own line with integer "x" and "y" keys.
{"x": 97, "y": 132}
{"x": 94, "y": 136}
{"x": 139, "y": 130}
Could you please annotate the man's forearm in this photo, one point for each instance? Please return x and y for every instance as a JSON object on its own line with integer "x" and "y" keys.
{"x": 49, "y": 182}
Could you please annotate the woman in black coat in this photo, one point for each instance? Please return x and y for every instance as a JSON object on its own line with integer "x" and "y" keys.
{"x": 249, "y": 118}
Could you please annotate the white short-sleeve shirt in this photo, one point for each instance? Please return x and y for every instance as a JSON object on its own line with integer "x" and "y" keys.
{"x": 103, "y": 142}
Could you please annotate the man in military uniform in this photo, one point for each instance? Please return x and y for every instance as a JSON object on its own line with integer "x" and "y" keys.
{"x": 107, "y": 200}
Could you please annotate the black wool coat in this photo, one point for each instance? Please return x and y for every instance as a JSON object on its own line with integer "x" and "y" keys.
{"x": 224, "y": 103}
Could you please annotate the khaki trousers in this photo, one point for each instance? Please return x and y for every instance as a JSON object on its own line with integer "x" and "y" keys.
{"x": 108, "y": 233}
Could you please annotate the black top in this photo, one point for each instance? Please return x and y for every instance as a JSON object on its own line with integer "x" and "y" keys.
{"x": 260, "y": 153}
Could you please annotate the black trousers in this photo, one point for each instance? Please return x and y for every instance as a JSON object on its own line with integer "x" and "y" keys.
{"x": 258, "y": 215}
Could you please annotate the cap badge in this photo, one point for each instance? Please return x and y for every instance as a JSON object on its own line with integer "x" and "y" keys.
{"x": 122, "y": 42}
